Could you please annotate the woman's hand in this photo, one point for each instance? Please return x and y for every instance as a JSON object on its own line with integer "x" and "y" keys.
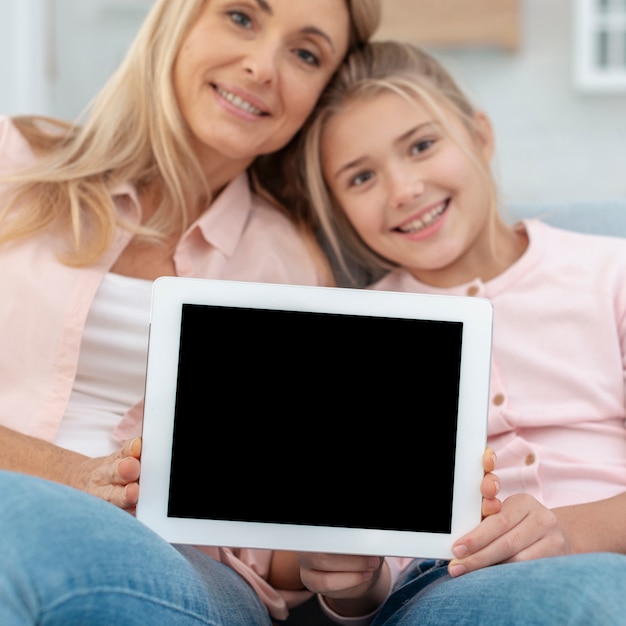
{"x": 523, "y": 529}
{"x": 113, "y": 478}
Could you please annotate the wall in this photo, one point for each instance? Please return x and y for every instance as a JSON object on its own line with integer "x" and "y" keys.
{"x": 554, "y": 142}
{"x": 26, "y": 63}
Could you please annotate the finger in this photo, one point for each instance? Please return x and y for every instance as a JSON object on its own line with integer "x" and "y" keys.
{"x": 489, "y": 460}
{"x": 491, "y": 506}
{"x": 130, "y": 497}
{"x": 132, "y": 447}
{"x": 126, "y": 471}
{"x": 502, "y": 551}
{"x": 489, "y": 531}
{"x": 122, "y": 496}
{"x": 324, "y": 562}
{"x": 505, "y": 537}
{"x": 340, "y": 583}
{"x": 490, "y": 486}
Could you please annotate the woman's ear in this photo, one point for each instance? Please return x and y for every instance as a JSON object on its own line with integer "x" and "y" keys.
{"x": 484, "y": 135}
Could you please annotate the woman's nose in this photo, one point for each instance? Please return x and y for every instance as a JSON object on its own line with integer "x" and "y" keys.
{"x": 261, "y": 60}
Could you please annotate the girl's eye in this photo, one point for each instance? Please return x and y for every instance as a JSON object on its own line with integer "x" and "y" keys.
{"x": 241, "y": 19}
{"x": 421, "y": 145}
{"x": 308, "y": 57}
{"x": 361, "y": 179}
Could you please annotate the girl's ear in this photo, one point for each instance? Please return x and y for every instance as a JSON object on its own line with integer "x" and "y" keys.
{"x": 484, "y": 135}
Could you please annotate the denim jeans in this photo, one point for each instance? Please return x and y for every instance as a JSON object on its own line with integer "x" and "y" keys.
{"x": 69, "y": 559}
{"x": 584, "y": 590}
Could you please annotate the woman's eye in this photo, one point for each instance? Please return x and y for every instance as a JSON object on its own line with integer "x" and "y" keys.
{"x": 421, "y": 145}
{"x": 241, "y": 19}
{"x": 308, "y": 57}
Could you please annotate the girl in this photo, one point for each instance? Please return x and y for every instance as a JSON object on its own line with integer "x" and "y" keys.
{"x": 396, "y": 162}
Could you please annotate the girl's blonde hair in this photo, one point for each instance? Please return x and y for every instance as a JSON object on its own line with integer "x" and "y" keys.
{"x": 133, "y": 132}
{"x": 378, "y": 67}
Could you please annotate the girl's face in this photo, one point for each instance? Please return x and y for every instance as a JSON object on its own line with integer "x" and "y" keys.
{"x": 412, "y": 192}
{"x": 250, "y": 71}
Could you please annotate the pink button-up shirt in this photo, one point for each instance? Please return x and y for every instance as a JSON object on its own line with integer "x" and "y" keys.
{"x": 239, "y": 238}
{"x": 44, "y": 304}
{"x": 557, "y": 412}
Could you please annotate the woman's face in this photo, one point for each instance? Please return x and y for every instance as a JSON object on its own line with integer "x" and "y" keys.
{"x": 411, "y": 191}
{"x": 250, "y": 71}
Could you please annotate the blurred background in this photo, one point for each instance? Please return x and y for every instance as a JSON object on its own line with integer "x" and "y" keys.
{"x": 550, "y": 73}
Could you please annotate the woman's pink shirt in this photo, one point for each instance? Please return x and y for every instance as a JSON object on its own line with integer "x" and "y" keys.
{"x": 44, "y": 304}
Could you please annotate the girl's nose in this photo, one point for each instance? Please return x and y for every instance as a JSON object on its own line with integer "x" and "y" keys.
{"x": 407, "y": 187}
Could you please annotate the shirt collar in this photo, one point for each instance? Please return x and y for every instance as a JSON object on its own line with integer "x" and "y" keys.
{"x": 131, "y": 208}
{"x": 222, "y": 226}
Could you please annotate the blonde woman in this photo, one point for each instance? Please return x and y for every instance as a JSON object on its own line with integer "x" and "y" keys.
{"x": 158, "y": 178}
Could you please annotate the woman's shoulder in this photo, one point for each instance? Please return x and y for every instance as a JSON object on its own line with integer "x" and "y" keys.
{"x": 10, "y": 136}
{"x": 15, "y": 150}
{"x": 275, "y": 226}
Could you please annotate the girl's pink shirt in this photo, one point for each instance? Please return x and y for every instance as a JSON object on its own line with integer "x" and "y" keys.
{"x": 557, "y": 411}
{"x": 44, "y": 305}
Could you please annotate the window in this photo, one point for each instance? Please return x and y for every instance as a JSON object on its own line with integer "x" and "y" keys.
{"x": 600, "y": 45}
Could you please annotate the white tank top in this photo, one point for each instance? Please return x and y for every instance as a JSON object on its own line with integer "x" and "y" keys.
{"x": 111, "y": 365}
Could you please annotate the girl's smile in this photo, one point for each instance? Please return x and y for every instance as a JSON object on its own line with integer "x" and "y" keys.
{"x": 426, "y": 223}
{"x": 412, "y": 185}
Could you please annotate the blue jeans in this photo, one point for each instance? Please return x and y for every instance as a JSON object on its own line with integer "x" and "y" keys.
{"x": 584, "y": 590}
{"x": 68, "y": 558}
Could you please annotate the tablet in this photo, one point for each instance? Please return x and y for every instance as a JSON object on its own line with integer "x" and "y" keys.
{"x": 314, "y": 418}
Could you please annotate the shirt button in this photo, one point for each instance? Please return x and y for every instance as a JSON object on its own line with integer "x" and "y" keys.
{"x": 530, "y": 459}
{"x": 498, "y": 399}
{"x": 472, "y": 291}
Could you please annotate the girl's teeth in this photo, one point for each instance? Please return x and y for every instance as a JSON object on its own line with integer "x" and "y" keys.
{"x": 422, "y": 222}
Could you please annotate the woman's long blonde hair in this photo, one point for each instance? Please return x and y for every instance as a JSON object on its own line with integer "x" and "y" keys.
{"x": 133, "y": 132}
{"x": 378, "y": 67}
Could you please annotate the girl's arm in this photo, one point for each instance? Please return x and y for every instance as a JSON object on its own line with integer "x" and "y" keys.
{"x": 525, "y": 529}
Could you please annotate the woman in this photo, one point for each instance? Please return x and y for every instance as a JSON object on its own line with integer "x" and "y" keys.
{"x": 159, "y": 180}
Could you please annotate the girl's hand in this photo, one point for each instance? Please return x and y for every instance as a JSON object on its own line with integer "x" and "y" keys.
{"x": 114, "y": 478}
{"x": 351, "y": 585}
{"x": 524, "y": 529}
{"x": 490, "y": 485}
{"x": 357, "y": 585}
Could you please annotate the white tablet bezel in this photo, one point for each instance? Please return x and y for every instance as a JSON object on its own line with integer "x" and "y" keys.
{"x": 169, "y": 295}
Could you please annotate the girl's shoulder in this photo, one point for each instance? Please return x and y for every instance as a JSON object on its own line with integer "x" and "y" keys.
{"x": 573, "y": 238}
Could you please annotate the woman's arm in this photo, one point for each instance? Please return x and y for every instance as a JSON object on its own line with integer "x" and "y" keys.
{"x": 113, "y": 478}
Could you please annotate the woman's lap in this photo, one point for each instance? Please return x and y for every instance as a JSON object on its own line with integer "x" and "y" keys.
{"x": 583, "y": 589}
{"x": 70, "y": 558}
